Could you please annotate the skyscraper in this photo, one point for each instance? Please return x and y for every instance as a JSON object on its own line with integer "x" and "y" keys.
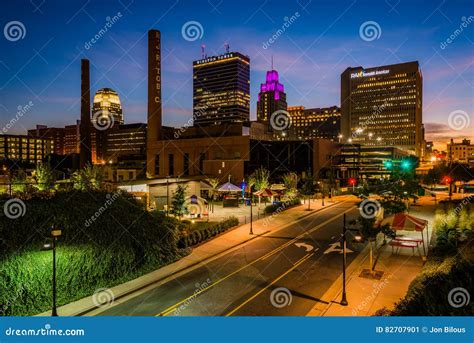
{"x": 221, "y": 89}
{"x": 107, "y": 105}
{"x": 272, "y": 98}
{"x": 383, "y": 106}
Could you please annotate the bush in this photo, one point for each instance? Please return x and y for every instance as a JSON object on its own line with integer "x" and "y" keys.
{"x": 282, "y": 206}
{"x": 428, "y": 293}
{"x": 192, "y": 237}
{"x": 107, "y": 239}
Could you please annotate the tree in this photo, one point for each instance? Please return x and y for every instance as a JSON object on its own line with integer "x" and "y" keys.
{"x": 259, "y": 179}
{"x": 213, "y": 182}
{"x": 308, "y": 188}
{"x": 290, "y": 180}
{"x": 178, "y": 202}
{"x": 19, "y": 182}
{"x": 44, "y": 177}
{"x": 88, "y": 179}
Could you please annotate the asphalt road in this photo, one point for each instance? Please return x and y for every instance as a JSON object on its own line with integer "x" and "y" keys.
{"x": 282, "y": 273}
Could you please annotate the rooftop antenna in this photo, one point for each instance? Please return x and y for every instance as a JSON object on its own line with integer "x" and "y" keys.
{"x": 227, "y": 46}
{"x": 203, "y": 48}
{"x": 272, "y": 62}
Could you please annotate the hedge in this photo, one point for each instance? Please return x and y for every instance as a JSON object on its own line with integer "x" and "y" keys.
{"x": 282, "y": 206}
{"x": 191, "y": 238}
{"x": 428, "y": 294}
{"x": 107, "y": 239}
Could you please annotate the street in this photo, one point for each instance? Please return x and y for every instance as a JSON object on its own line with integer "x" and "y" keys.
{"x": 283, "y": 273}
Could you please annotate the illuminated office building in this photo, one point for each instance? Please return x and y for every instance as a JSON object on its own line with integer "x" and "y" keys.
{"x": 309, "y": 123}
{"x": 221, "y": 89}
{"x": 272, "y": 98}
{"x": 107, "y": 104}
{"x": 54, "y": 133}
{"x": 25, "y": 148}
{"x": 382, "y": 106}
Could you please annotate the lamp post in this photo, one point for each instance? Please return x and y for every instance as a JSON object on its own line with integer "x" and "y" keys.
{"x": 55, "y": 233}
{"x": 357, "y": 238}
{"x": 167, "y": 195}
{"x": 344, "y": 241}
{"x": 251, "y": 211}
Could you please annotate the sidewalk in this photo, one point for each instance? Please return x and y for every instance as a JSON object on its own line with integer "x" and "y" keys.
{"x": 366, "y": 296}
{"x": 204, "y": 253}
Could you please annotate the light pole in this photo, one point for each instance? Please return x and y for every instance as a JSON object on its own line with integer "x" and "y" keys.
{"x": 344, "y": 297}
{"x": 251, "y": 211}
{"x": 167, "y": 196}
{"x": 358, "y": 238}
{"x": 55, "y": 233}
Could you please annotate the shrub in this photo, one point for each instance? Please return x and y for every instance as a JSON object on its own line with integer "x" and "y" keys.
{"x": 282, "y": 206}
{"x": 205, "y": 232}
{"x": 107, "y": 239}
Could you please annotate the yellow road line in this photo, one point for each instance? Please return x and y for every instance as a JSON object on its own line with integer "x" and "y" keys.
{"x": 172, "y": 308}
{"x": 306, "y": 257}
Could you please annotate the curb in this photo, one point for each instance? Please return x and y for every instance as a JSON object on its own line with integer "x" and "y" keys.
{"x": 93, "y": 307}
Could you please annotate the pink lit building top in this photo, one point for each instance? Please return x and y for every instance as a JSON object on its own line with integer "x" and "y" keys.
{"x": 272, "y": 84}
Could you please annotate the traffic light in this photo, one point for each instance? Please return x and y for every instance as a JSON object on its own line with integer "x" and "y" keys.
{"x": 388, "y": 164}
{"x": 406, "y": 165}
{"x": 447, "y": 180}
{"x": 352, "y": 181}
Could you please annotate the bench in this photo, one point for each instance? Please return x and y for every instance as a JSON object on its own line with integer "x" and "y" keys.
{"x": 397, "y": 244}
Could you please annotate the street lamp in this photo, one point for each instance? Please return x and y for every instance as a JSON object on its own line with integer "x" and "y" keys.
{"x": 50, "y": 244}
{"x": 251, "y": 211}
{"x": 167, "y": 195}
{"x": 358, "y": 238}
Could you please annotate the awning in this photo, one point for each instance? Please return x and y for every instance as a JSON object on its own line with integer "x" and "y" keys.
{"x": 406, "y": 222}
{"x": 263, "y": 193}
{"x": 229, "y": 187}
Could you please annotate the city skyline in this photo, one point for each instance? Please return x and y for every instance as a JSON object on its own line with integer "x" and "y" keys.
{"x": 309, "y": 57}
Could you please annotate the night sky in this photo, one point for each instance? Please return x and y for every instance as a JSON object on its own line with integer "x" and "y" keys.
{"x": 321, "y": 39}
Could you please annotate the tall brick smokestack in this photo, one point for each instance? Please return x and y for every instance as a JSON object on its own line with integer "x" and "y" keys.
{"x": 154, "y": 133}
{"x": 85, "y": 127}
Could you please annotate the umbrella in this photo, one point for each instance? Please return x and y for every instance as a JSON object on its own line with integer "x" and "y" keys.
{"x": 264, "y": 193}
{"x": 406, "y": 222}
{"x": 228, "y": 187}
